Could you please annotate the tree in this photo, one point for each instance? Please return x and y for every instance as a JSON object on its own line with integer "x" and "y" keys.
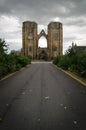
{"x": 71, "y": 50}
{"x": 10, "y": 62}
{"x": 3, "y": 47}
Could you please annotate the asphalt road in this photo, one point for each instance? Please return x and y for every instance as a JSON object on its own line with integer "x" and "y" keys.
{"x": 42, "y": 97}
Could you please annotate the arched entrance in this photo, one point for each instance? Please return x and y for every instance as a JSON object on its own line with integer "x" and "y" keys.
{"x": 42, "y": 42}
{"x": 43, "y": 55}
{"x": 42, "y": 52}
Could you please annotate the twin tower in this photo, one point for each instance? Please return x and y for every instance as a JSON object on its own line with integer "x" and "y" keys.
{"x": 31, "y": 37}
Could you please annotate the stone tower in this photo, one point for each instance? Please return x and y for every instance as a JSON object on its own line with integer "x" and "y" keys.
{"x": 30, "y": 40}
{"x": 55, "y": 38}
{"x": 29, "y": 37}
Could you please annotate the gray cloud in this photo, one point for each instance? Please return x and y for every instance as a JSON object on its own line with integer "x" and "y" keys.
{"x": 70, "y": 12}
{"x": 43, "y": 9}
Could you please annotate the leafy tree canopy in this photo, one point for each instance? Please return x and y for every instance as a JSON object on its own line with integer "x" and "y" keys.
{"x": 3, "y": 47}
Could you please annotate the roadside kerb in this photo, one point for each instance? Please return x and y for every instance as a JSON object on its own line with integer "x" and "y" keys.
{"x": 72, "y": 76}
{"x": 9, "y": 75}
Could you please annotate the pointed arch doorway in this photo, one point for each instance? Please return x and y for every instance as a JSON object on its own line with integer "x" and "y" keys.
{"x": 42, "y": 42}
{"x": 42, "y": 52}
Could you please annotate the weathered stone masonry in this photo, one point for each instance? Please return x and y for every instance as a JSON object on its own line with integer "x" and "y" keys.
{"x": 30, "y": 39}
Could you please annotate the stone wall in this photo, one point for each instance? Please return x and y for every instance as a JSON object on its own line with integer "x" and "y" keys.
{"x": 55, "y": 38}
{"x": 29, "y": 36}
{"x": 30, "y": 39}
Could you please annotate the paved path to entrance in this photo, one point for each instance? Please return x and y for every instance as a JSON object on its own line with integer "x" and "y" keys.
{"x": 41, "y": 97}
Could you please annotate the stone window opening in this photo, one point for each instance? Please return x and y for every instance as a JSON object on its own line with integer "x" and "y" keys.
{"x": 30, "y": 49}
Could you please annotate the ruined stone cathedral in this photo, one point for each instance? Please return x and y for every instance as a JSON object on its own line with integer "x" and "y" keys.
{"x": 31, "y": 37}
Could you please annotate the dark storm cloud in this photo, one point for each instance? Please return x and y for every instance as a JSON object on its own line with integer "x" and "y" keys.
{"x": 43, "y": 10}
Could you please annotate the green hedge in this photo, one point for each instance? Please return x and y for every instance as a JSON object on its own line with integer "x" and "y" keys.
{"x": 23, "y": 60}
{"x": 74, "y": 63}
{"x": 10, "y": 63}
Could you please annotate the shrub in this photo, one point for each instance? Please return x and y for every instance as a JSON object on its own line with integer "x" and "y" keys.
{"x": 73, "y": 68}
{"x": 3, "y": 69}
{"x": 74, "y": 62}
{"x": 56, "y": 60}
{"x": 23, "y": 60}
{"x": 64, "y": 62}
{"x": 10, "y": 62}
{"x": 81, "y": 63}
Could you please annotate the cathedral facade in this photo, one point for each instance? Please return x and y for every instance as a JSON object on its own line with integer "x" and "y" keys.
{"x": 30, "y": 39}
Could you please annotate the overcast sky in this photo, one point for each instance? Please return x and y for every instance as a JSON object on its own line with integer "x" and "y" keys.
{"x": 72, "y": 13}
